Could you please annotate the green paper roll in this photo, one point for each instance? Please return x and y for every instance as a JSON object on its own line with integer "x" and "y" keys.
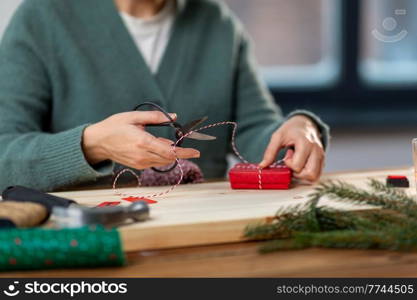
{"x": 94, "y": 246}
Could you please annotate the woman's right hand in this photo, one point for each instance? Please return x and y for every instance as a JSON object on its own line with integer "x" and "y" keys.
{"x": 122, "y": 138}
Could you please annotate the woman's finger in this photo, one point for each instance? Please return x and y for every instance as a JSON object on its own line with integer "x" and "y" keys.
{"x": 186, "y": 153}
{"x": 169, "y": 142}
{"x": 313, "y": 167}
{"x": 160, "y": 148}
{"x": 178, "y": 152}
{"x": 275, "y": 144}
{"x": 144, "y": 117}
{"x": 302, "y": 151}
{"x": 155, "y": 158}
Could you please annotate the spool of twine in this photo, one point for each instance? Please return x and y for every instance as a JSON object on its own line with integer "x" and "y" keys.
{"x": 23, "y": 214}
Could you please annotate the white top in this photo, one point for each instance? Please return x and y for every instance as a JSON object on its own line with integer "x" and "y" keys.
{"x": 152, "y": 35}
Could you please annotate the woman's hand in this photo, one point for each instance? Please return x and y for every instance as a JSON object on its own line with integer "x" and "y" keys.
{"x": 122, "y": 138}
{"x": 307, "y": 158}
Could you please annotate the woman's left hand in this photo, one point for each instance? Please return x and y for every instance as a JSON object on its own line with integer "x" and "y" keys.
{"x": 306, "y": 158}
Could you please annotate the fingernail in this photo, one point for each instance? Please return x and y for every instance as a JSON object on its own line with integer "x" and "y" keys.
{"x": 196, "y": 155}
{"x": 173, "y": 115}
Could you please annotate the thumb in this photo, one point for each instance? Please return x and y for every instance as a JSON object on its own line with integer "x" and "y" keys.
{"x": 147, "y": 117}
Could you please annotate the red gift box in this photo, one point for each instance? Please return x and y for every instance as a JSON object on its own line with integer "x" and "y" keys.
{"x": 249, "y": 176}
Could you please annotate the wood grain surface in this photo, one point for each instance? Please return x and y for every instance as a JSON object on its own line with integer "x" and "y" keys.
{"x": 210, "y": 213}
{"x": 243, "y": 260}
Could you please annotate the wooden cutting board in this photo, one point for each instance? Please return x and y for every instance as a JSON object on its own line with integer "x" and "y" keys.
{"x": 212, "y": 213}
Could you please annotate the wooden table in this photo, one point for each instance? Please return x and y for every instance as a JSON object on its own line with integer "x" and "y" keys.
{"x": 241, "y": 259}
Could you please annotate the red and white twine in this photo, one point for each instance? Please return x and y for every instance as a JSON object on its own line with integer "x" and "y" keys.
{"x": 139, "y": 179}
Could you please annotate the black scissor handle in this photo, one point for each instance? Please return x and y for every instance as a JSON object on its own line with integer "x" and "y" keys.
{"x": 25, "y": 194}
{"x": 171, "y": 123}
{"x": 174, "y": 165}
{"x": 171, "y": 120}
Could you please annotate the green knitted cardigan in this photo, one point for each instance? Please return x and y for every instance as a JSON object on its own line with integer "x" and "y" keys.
{"x": 65, "y": 64}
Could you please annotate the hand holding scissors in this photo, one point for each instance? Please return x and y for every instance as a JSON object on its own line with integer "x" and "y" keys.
{"x": 123, "y": 138}
{"x": 180, "y": 130}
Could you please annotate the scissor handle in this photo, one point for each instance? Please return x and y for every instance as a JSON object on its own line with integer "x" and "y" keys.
{"x": 175, "y": 125}
{"x": 171, "y": 120}
{"x": 171, "y": 123}
{"x": 174, "y": 165}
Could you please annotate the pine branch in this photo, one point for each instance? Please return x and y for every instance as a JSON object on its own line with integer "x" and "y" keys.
{"x": 286, "y": 220}
{"x": 409, "y": 203}
{"x": 344, "y": 192}
{"x": 394, "y": 226}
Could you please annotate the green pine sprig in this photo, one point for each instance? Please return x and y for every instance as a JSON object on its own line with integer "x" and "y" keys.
{"x": 391, "y": 225}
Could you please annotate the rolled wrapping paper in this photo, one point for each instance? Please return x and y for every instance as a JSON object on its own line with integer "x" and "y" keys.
{"x": 65, "y": 248}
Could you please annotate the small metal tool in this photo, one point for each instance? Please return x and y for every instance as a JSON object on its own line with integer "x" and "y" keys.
{"x": 111, "y": 216}
{"x": 67, "y": 213}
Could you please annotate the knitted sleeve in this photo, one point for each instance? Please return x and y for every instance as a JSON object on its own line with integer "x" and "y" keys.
{"x": 256, "y": 112}
{"x": 29, "y": 154}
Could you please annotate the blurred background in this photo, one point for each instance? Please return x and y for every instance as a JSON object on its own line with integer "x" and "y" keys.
{"x": 353, "y": 62}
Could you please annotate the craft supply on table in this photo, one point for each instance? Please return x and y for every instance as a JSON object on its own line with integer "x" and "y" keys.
{"x": 67, "y": 213}
{"x": 212, "y": 212}
{"x": 134, "y": 199}
{"x": 108, "y": 203}
{"x": 190, "y": 131}
{"x": 250, "y": 176}
{"x": 192, "y": 174}
{"x": 65, "y": 248}
{"x": 24, "y": 194}
{"x": 399, "y": 181}
{"x": 17, "y": 214}
{"x": 150, "y": 177}
{"x": 109, "y": 216}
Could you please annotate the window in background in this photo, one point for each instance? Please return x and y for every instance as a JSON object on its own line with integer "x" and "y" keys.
{"x": 7, "y": 8}
{"x": 296, "y": 41}
{"x": 389, "y": 42}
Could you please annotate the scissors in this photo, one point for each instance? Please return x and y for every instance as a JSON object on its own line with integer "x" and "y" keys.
{"x": 180, "y": 130}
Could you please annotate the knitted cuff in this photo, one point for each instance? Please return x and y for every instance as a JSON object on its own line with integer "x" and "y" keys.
{"x": 64, "y": 162}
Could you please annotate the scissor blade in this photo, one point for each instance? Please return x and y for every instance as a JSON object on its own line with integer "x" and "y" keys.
{"x": 200, "y": 136}
{"x": 193, "y": 124}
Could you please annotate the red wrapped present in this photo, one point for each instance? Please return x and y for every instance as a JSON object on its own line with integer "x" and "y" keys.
{"x": 249, "y": 176}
